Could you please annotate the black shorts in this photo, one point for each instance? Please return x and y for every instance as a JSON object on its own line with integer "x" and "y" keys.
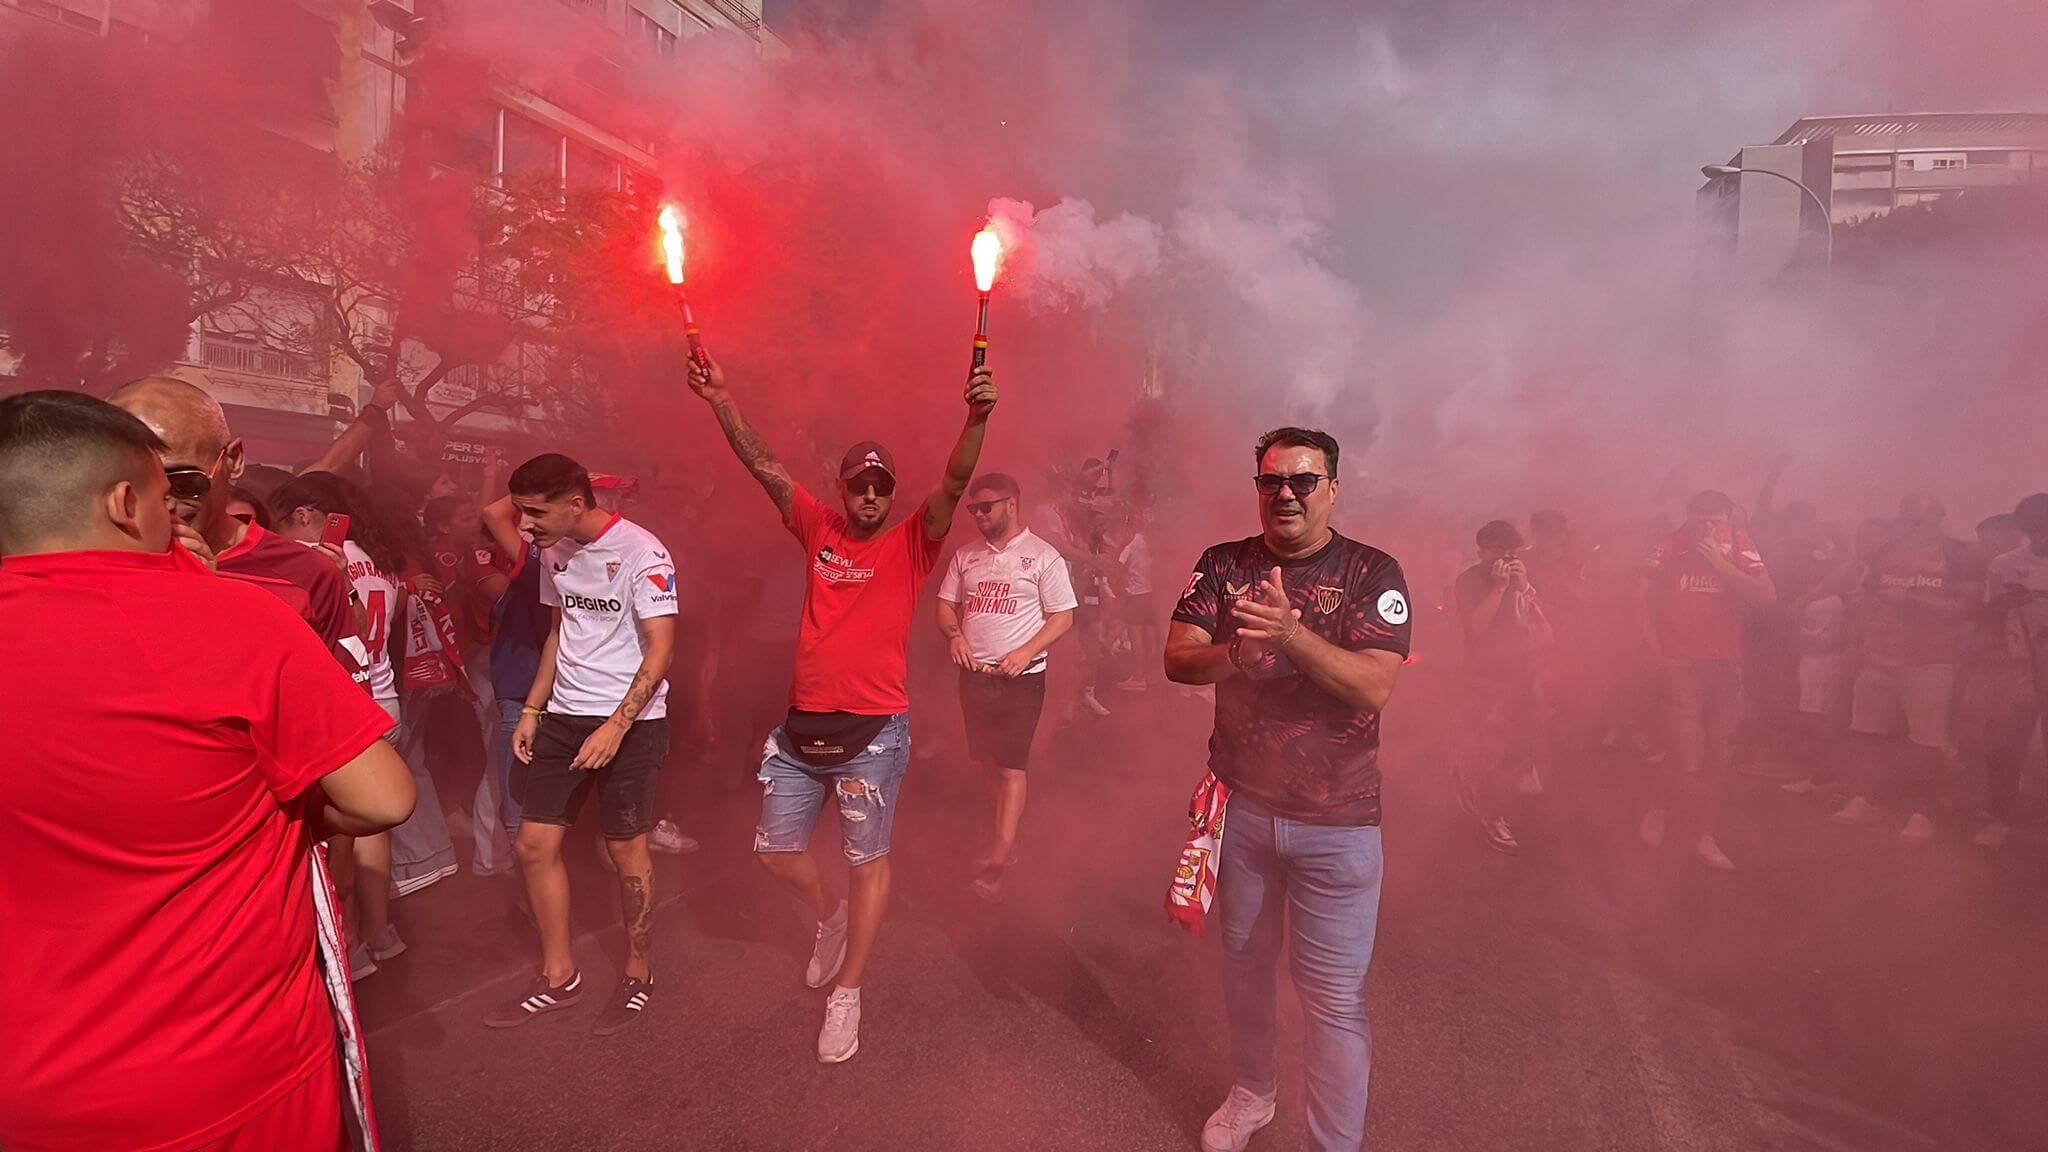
{"x": 555, "y": 792}
{"x": 1002, "y": 716}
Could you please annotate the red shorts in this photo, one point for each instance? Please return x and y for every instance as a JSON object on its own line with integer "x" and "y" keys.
{"x": 306, "y": 1119}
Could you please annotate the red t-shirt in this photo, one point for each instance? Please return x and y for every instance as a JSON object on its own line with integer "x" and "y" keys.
{"x": 269, "y": 555}
{"x": 1697, "y": 617}
{"x": 859, "y": 595}
{"x": 162, "y": 727}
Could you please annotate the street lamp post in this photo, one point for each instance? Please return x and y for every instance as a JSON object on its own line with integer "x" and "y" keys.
{"x": 1722, "y": 171}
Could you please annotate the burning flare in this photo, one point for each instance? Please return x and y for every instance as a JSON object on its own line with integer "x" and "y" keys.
{"x": 672, "y": 225}
{"x": 987, "y": 252}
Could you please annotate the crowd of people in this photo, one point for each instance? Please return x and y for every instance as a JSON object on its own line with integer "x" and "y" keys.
{"x": 1891, "y": 674}
{"x": 252, "y": 709}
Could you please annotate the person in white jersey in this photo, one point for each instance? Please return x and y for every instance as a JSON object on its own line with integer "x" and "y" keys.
{"x": 417, "y": 853}
{"x": 596, "y": 717}
{"x": 1004, "y": 601}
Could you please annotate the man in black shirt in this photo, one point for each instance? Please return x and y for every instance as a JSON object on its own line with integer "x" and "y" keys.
{"x": 1303, "y": 632}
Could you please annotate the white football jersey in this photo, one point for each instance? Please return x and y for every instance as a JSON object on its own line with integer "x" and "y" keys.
{"x": 1005, "y": 595}
{"x": 379, "y": 595}
{"x": 602, "y": 588}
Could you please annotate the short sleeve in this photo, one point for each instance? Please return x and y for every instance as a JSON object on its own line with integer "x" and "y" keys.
{"x": 1056, "y": 587}
{"x": 328, "y": 605}
{"x": 807, "y": 517}
{"x": 549, "y": 594}
{"x": 949, "y": 584}
{"x": 654, "y": 585}
{"x": 1380, "y": 616}
{"x": 1203, "y": 599}
{"x": 305, "y": 714}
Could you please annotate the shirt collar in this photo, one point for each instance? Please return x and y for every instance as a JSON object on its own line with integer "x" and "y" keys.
{"x": 90, "y": 560}
{"x": 1020, "y": 538}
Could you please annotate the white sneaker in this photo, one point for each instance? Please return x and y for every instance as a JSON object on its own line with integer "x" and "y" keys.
{"x": 1651, "y": 830}
{"x": 1499, "y": 836}
{"x": 1856, "y": 811}
{"x": 1231, "y": 1127}
{"x": 669, "y": 840}
{"x": 839, "y": 1039}
{"x": 1993, "y": 836}
{"x": 386, "y": 945}
{"x": 1093, "y": 705}
{"x": 1918, "y": 830}
{"x": 360, "y": 964}
{"x": 1132, "y": 684}
{"x": 830, "y": 950}
{"x": 1709, "y": 850}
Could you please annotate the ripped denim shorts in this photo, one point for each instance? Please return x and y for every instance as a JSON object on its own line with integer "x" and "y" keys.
{"x": 793, "y": 793}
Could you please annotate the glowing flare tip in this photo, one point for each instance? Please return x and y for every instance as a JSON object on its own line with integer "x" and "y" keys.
{"x": 672, "y": 242}
{"x": 987, "y": 252}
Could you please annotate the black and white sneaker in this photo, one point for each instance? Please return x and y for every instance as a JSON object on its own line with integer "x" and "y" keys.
{"x": 626, "y": 1006}
{"x": 540, "y": 999}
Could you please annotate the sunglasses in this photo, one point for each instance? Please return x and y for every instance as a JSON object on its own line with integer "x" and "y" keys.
{"x": 193, "y": 483}
{"x": 1301, "y": 483}
{"x": 883, "y": 484}
{"x": 984, "y": 507}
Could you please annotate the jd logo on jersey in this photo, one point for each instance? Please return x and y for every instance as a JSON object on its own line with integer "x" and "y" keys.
{"x": 1393, "y": 606}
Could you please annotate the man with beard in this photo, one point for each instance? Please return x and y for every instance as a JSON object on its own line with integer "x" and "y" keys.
{"x": 847, "y": 734}
{"x": 1303, "y": 632}
{"x": 1002, "y": 604}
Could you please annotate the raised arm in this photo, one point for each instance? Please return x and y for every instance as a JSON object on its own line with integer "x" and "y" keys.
{"x": 356, "y": 437}
{"x": 707, "y": 379}
{"x": 938, "y": 509}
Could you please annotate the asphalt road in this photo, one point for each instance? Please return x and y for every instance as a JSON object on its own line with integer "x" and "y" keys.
{"x": 1842, "y": 991}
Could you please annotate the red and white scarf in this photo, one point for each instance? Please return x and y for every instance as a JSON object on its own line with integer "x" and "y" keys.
{"x": 1194, "y": 877}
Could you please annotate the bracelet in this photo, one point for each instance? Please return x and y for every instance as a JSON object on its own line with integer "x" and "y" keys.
{"x": 1289, "y": 638}
{"x": 530, "y": 710}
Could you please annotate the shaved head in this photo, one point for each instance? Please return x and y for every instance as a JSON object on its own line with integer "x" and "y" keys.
{"x": 188, "y": 421}
{"x": 78, "y": 473}
{"x": 196, "y": 439}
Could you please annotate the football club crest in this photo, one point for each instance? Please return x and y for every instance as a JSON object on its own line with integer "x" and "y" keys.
{"x": 611, "y": 570}
{"x": 1328, "y": 600}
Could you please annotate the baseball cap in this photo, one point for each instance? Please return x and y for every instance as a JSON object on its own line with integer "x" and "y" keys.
{"x": 863, "y": 456}
{"x": 1499, "y": 535}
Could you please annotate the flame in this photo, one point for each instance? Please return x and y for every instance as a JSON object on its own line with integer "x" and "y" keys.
{"x": 987, "y": 252}
{"x": 672, "y": 225}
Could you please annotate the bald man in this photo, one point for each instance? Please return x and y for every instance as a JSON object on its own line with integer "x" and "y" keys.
{"x": 203, "y": 460}
{"x": 171, "y": 739}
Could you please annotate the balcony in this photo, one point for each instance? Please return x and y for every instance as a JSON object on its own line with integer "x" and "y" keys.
{"x": 240, "y": 355}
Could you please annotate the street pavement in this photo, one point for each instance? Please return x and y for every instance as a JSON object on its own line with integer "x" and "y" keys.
{"x": 1843, "y": 991}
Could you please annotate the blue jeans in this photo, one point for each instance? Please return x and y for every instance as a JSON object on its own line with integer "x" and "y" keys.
{"x": 793, "y": 795}
{"x": 504, "y": 764}
{"x": 1326, "y": 882}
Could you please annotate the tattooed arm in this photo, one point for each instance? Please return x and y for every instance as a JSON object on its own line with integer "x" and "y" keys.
{"x": 657, "y": 648}
{"x": 707, "y": 379}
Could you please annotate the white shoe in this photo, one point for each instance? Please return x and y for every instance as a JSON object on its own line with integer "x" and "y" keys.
{"x": 1802, "y": 786}
{"x": 360, "y": 964}
{"x": 1093, "y": 705}
{"x": 1651, "y": 830}
{"x": 1856, "y": 811}
{"x": 839, "y": 1039}
{"x": 1232, "y": 1126}
{"x": 1918, "y": 830}
{"x": 669, "y": 840}
{"x": 830, "y": 950}
{"x": 1499, "y": 836}
{"x": 1993, "y": 836}
{"x": 1132, "y": 684}
{"x": 387, "y": 944}
{"x": 1709, "y": 850}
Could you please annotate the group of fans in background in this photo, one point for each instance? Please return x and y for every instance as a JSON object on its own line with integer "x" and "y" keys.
{"x": 479, "y": 655}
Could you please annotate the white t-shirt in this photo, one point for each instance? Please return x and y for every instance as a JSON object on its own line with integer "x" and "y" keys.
{"x": 2025, "y": 572}
{"x": 602, "y": 588}
{"x": 379, "y": 594}
{"x": 1005, "y": 595}
{"x": 1137, "y": 561}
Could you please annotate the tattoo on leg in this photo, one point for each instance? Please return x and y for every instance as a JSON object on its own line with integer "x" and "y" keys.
{"x": 636, "y": 899}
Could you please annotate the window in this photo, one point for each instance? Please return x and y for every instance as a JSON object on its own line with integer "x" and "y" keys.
{"x": 658, "y": 40}
{"x": 1945, "y": 162}
{"x": 531, "y": 150}
{"x": 589, "y": 168}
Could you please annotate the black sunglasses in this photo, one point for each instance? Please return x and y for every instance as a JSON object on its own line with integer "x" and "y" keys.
{"x": 883, "y": 483}
{"x": 984, "y": 507}
{"x": 193, "y": 483}
{"x": 1301, "y": 483}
